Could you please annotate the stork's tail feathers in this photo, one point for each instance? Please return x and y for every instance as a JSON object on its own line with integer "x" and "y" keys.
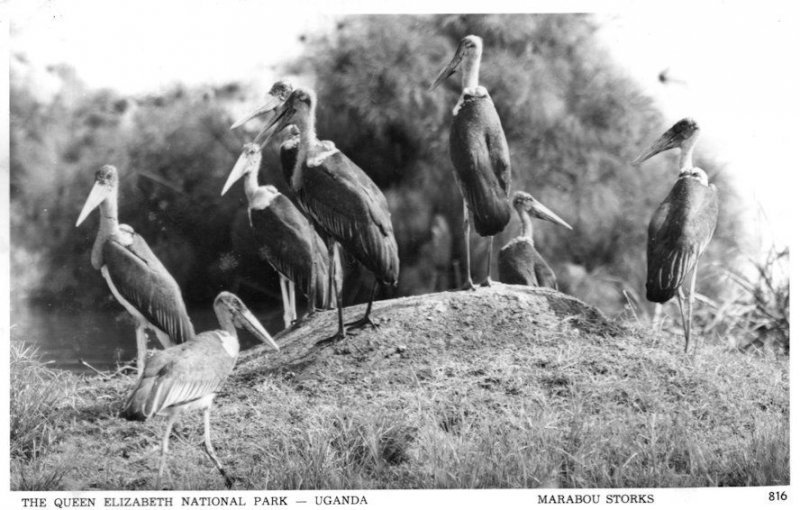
{"x": 389, "y": 270}
{"x": 491, "y": 212}
{"x": 322, "y": 277}
{"x": 666, "y": 271}
{"x": 132, "y": 415}
{"x": 489, "y": 225}
{"x": 134, "y": 408}
{"x": 658, "y": 294}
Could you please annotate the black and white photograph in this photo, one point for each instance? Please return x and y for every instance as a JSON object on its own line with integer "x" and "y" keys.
{"x": 322, "y": 254}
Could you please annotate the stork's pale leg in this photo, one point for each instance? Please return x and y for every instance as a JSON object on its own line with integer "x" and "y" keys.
{"x": 331, "y": 278}
{"x": 689, "y": 312}
{"x": 470, "y": 285}
{"x": 312, "y": 291}
{"x": 332, "y": 282}
{"x": 165, "y": 448}
{"x": 488, "y": 281}
{"x": 292, "y": 301}
{"x": 337, "y": 262}
{"x": 363, "y": 321}
{"x": 657, "y": 312}
{"x": 287, "y": 319}
{"x": 141, "y": 347}
{"x": 210, "y": 448}
{"x": 681, "y": 298}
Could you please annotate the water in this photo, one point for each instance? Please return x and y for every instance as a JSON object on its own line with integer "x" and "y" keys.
{"x": 104, "y": 338}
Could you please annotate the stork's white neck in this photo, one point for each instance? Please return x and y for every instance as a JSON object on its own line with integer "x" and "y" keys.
{"x": 687, "y": 149}
{"x": 109, "y": 226}
{"x": 226, "y": 323}
{"x": 108, "y": 213}
{"x": 527, "y": 224}
{"x": 685, "y": 163}
{"x": 251, "y": 185}
{"x": 297, "y": 172}
{"x": 472, "y": 65}
{"x": 306, "y": 124}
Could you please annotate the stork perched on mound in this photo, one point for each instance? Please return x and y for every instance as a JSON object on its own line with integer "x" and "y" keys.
{"x": 287, "y": 239}
{"x": 682, "y": 226}
{"x": 479, "y": 151}
{"x": 519, "y": 262}
{"x": 186, "y": 377}
{"x": 282, "y": 223}
{"x": 136, "y": 277}
{"x": 341, "y": 200}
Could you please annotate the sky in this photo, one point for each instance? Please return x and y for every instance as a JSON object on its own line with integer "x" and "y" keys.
{"x": 733, "y": 63}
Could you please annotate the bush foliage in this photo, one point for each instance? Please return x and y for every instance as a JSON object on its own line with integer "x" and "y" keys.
{"x": 573, "y": 118}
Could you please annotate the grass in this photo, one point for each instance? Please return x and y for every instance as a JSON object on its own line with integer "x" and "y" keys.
{"x": 503, "y": 387}
{"x": 38, "y": 394}
{"x": 755, "y": 314}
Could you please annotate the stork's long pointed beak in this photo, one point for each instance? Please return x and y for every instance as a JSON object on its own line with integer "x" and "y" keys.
{"x": 543, "y": 213}
{"x": 249, "y": 160}
{"x": 271, "y": 103}
{"x": 282, "y": 119}
{"x": 668, "y": 140}
{"x": 96, "y": 196}
{"x": 450, "y": 68}
{"x": 249, "y": 321}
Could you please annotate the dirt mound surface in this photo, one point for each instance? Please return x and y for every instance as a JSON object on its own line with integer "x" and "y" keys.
{"x": 425, "y": 327}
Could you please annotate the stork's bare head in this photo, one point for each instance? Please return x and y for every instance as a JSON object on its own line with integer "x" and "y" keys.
{"x": 231, "y": 310}
{"x": 683, "y": 133}
{"x": 470, "y": 48}
{"x": 277, "y": 94}
{"x": 298, "y": 109}
{"x": 249, "y": 161}
{"x": 106, "y": 181}
{"x": 525, "y": 203}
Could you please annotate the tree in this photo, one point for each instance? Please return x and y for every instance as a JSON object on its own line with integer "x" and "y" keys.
{"x": 573, "y": 119}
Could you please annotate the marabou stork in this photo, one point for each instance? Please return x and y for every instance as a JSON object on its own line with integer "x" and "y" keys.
{"x": 276, "y": 96}
{"x": 340, "y": 199}
{"x": 519, "y": 262}
{"x": 682, "y": 226}
{"x": 134, "y": 274}
{"x": 186, "y": 377}
{"x": 287, "y": 239}
{"x": 478, "y": 150}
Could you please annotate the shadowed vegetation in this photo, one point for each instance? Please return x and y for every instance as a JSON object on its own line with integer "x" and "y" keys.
{"x": 574, "y": 121}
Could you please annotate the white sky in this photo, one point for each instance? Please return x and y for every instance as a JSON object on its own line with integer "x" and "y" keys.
{"x": 737, "y": 62}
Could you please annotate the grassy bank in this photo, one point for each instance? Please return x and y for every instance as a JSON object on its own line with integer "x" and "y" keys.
{"x": 503, "y": 387}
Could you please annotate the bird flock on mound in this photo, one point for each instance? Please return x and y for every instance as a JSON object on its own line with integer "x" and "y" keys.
{"x": 336, "y": 206}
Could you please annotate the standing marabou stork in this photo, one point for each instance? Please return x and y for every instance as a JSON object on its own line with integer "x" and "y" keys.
{"x": 287, "y": 239}
{"x": 134, "y": 274}
{"x": 682, "y": 226}
{"x": 341, "y": 200}
{"x": 186, "y": 377}
{"x": 479, "y": 151}
{"x": 519, "y": 262}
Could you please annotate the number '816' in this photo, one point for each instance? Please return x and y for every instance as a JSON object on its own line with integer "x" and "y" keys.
{"x": 778, "y": 496}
